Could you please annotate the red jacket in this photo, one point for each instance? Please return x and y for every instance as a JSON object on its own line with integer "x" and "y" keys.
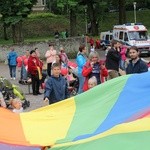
{"x": 87, "y": 69}
{"x": 33, "y": 63}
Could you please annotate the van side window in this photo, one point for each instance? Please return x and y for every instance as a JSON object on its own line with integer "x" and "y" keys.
{"x": 111, "y": 37}
{"x": 121, "y": 35}
{"x": 125, "y": 37}
{"x": 107, "y": 37}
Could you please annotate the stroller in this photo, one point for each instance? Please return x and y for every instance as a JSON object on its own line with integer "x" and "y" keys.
{"x": 12, "y": 91}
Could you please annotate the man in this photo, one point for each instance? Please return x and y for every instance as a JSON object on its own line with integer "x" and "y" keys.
{"x": 136, "y": 65}
{"x": 113, "y": 59}
{"x": 12, "y": 62}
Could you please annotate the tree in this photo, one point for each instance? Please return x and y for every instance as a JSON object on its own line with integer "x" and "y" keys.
{"x": 122, "y": 12}
{"x": 94, "y": 11}
{"x": 13, "y": 13}
{"x": 69, "y": 6}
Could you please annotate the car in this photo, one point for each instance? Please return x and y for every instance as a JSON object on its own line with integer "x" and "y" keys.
{"x": 140, "y": 9}
{"x": 113, "y": 10}
{"x": 105, "y": 38}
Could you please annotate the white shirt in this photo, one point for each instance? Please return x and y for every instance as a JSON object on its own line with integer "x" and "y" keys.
{"x": 18, "y": 110}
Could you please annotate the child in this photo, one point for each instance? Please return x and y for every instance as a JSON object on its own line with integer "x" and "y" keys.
{"x": 92, "y": 82}
{"x": 56, "y": 88}
{"x": 17, "y": 105}
{"x": 2, "y": 102}
{"x": 63, "y": 56}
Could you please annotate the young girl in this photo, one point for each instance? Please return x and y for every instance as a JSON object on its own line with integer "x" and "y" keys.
{"x": 17, "y": 105}
{"x": 92, "y": 82}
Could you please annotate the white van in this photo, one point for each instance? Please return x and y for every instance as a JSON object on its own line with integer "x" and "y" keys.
{"x": 133, "y": 34}
{"x": 105, "y": 38}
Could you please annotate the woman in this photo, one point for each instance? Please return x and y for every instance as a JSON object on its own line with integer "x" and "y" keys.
{"x": 50, "y": 58}
{"x": 35, "y": 70}
{"x": 81, "y": 60}
{"x": 64, "y": 68}
{"x": 94, "y": 67}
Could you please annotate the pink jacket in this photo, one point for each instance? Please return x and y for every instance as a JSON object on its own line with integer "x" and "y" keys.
{"x": 50, "y": 56}
{"x": 123, "y": 53}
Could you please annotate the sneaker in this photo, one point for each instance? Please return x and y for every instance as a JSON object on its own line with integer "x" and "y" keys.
{"x": 39, "y": 93}
{"x": 14, "y": 78}
{"x": 11, "y": 78}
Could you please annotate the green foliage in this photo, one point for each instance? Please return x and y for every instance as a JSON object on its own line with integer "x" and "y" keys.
{"x": 15, "y": 11}
{"x": 70, "y": 3}
{"x": 41, "y": 26}
{"x": 42, "y": 15}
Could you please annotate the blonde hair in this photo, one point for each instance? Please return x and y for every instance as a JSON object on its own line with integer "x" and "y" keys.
{"x": 14, "y": 101}
{"x": 93, "y": 80}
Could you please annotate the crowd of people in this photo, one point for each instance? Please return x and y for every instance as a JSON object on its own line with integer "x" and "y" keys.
{"x": 91, "y": 71}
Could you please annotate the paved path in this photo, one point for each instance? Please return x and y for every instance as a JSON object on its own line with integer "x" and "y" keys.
{"x": 35, "y": 101}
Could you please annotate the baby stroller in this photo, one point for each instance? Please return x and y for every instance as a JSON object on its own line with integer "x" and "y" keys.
{"x": 72, "y": 78}
{"x": 12, "y": 91}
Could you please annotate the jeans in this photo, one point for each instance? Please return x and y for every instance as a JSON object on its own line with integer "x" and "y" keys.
{"x": 23, "y": 73}
{"x": 49, "y": 65}
{"x": 35, "y": 84}
{"x": 81, "y": 82}
{"x": 122, "y": 64}
{"x": 12, "y": 70}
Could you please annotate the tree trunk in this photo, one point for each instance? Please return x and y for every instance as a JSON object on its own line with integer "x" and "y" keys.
{"x": 122, "y": 12}
{"x": 5, "y": 32}
{"x": 73, "y": 30}
{"x": 94, "y": 23}
{"x": 17, "y": 33}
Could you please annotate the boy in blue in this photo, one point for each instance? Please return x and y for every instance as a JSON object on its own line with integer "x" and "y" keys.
{"x": 56, "y": 86}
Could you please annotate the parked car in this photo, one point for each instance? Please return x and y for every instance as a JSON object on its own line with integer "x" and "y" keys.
{"x": 105, "y": 38}
{"x": 140, "y": 9}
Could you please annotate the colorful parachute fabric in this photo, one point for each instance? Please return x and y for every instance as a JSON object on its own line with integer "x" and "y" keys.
{"x": 114, "y": 115}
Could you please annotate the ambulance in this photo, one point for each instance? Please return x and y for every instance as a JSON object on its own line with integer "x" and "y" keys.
{"x": 133, "y": 34}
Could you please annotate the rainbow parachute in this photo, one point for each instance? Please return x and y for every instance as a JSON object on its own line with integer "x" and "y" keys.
{"x": 113, "y": 115}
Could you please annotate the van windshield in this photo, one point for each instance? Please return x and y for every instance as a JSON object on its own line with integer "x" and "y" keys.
{"x": 138, "y": 35}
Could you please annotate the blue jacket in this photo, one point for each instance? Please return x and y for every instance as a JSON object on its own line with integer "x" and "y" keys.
{"x": 12, "y": 58}
{"x": 81, "y": 60}
{"x": 139, "y": 67}
{"x": 56, "y": 89}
